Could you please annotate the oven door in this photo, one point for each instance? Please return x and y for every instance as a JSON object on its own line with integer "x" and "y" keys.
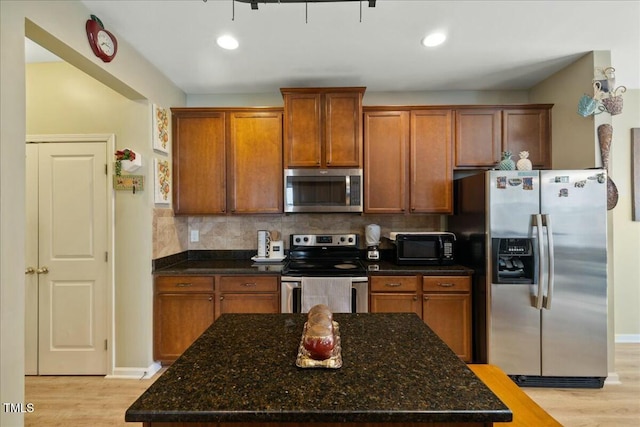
{"x": 291, "y": 295}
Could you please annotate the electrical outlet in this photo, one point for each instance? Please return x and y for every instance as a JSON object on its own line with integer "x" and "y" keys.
{"x": 195, "y": 236}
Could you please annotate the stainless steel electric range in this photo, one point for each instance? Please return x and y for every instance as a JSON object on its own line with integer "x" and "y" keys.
{"x": 323, "y": 255}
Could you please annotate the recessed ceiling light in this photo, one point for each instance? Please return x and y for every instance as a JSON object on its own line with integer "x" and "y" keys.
{"x": 227, "y": 42}
{"x": 434, "y": 39}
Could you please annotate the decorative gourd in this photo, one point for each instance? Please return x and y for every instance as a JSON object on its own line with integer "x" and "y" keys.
{"x": 506, "y": 164}
{"x": 524, "y": 164}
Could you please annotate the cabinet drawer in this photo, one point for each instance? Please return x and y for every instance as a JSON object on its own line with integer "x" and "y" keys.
{"x": 446, "y": 283}
{"x": 184, "y": 283}
{"x": 249, "y": 284}
{"x": 394, "y": 283}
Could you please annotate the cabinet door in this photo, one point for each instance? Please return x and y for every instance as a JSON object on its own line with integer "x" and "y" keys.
{"x": 255, "y": 162}
{"x": 249, "y": 303}
{"x": 386, "y": 136}
{"x": 430, "y": 155}
{"x": 395, "y": 303}
{"x": 478, "y": 137}
{"x": 302, "y": 130}
{"x": 179, "y": 318}
{"x": 343, "y": 129}
{"x": 528, "y": 130}
{"x": 199, "y": 185}
{"x": 449, "y": 316}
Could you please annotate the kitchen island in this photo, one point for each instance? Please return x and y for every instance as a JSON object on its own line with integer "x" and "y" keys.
{"x": 242, "y": 371}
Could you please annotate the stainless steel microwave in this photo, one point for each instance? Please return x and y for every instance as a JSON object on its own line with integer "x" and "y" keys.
{"x": 323, "y": 190}
{"x": 424, "y": 248}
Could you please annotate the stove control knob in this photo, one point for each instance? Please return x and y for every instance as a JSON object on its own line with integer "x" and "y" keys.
{"x": 297, "y": 240}
{"x": 342, "y": 239}
{"x": 350, "y": 239}
{"x": 306, "y": 239}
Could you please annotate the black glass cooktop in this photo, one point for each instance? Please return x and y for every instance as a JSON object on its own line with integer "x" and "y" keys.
{"x": 324, "y": 267}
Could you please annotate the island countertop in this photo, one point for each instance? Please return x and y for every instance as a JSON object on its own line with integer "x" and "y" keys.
{"x": 242, "y": 369}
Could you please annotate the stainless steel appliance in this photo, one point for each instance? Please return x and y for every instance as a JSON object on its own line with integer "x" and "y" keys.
{"x": 538, "y": 243}
{"x": 326, "y": 255}
{"x": 323, "y": 190}
{"x": 423, "y": 248}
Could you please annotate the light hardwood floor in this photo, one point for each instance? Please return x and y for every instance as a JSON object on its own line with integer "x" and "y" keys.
{"x": 98, "y": 402}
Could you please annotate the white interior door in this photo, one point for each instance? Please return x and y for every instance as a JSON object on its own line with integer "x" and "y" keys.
{"x": 72, "y": 267}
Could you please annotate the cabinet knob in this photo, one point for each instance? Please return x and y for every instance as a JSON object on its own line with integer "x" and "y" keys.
{"x": 42, "y": 270}
{"x": 415, "y": 298}
{"x": 221, "y": 298}
{"x": 426, "y": 298}
{"x": 29, "y": 270}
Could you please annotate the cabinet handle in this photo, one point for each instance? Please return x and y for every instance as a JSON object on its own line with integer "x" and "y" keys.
{"x": 29, "y": 270}
{"x": 210, "y": 298}
{"x": 184, "y": 285}
{"x": 426, "y": 298}
{"x": 393, "y": 285}
{"x": 415, "y": 298}
{"x": 42, "y": 270}
{"x": 221, "y": 298}
{"x": 249, "y": 285}
{"x": 446, "y": 285}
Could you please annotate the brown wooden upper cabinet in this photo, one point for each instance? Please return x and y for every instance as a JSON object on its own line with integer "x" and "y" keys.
{"x": 255, "y": 162}
{"x": 478, "y": 137}
{"x": 199, "y": 150}
{"x": 528, "y": 129}
{"x": 227, "y": 161}
{"x": 323, "y": 127}
{"x": 408, "y": 146}
{"x": 482, "y": 133}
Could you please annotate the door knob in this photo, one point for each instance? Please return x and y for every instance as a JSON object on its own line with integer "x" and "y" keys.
{"x": 29, "y": 270}
{"x": 42, "y": 270}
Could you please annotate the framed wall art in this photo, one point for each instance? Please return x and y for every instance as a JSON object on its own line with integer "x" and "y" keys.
{"x": 162, "y": 181}
{"x": 160, "y": 119}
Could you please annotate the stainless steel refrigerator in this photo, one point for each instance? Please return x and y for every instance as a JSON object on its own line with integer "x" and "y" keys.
{"x": 538, "y": 243}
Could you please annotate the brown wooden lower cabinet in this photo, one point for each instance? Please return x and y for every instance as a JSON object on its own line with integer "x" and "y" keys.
{"x": 446, "y": 308}
{"x": 183, "y": 309}
{"x": 443, "y": 302}
{"x": 249, "y": 294}
{"x": 185, "y": 306}
{"x": 394, "y": 294}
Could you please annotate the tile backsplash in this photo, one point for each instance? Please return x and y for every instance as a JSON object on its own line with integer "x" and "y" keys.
{"x": 171, "y": 233}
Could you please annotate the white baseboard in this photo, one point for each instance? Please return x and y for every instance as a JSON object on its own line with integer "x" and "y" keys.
{"x": 136, "y": 373}
{"x": 628, "y": 338}
{"x": 612, "y": 379}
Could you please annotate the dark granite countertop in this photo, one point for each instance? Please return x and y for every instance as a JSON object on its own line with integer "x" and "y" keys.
{"x": 242, "y": 369}
{"x": 214, "y": 262}
{"x": 239, "y": 262}
{"x": 385, "y": 267}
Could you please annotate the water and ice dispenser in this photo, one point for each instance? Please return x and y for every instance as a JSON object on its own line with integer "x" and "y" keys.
{"x": 513, "y": 261}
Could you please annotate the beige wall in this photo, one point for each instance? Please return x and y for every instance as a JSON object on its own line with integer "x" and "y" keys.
{"x": 64, "y": 100}
{"x": 626, "y": 233}
{"x": 59, "y": 26}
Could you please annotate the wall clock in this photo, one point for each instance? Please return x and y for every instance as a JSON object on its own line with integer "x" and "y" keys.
{"x": 102, "y": 42}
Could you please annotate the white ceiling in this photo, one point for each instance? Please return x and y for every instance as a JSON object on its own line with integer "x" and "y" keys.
{"x": 491, "y": 45}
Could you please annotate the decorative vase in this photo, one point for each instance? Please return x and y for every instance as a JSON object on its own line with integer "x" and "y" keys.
{"x": 506, "y": 164}
{"x": 524, "y": 164}
{"x": 605, "y": 136}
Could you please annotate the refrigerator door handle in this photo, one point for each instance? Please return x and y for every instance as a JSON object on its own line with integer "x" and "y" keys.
{"x": 537, "y": 222}
{"x": 547, "y": 222}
